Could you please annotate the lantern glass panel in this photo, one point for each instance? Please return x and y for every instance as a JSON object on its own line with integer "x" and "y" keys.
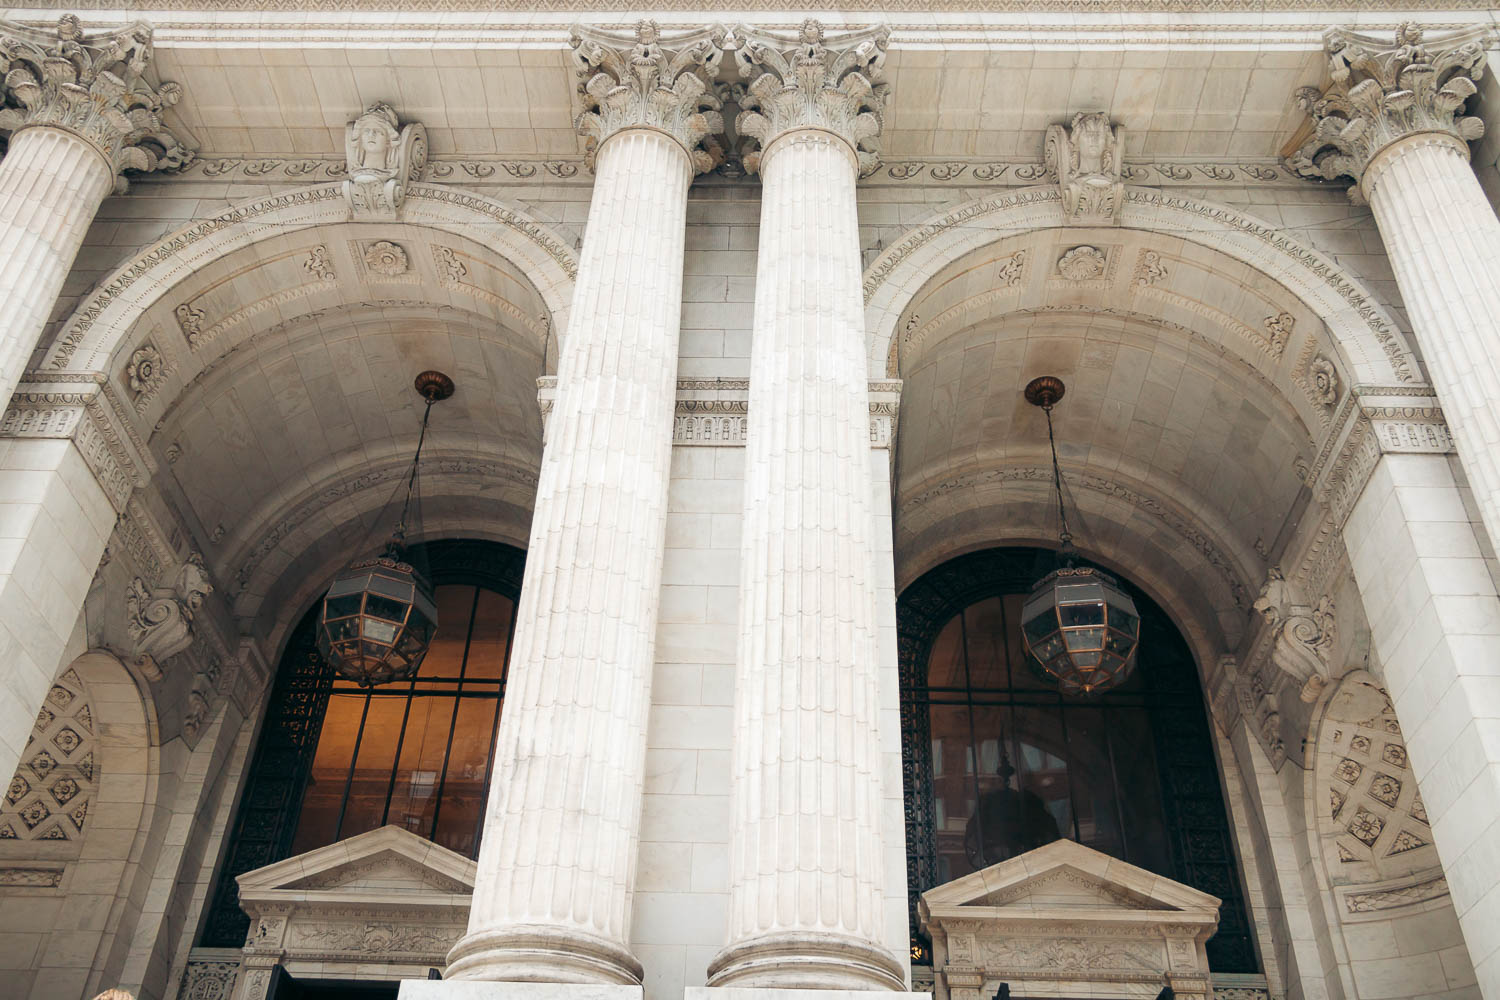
{"x": 1081, "y": 614}
{"x": 384, "y": 607}
{"x": 380, "y": 631}
{"x": 1084, "y": 638}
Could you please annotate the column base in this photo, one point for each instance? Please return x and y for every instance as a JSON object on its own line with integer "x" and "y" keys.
{"x": 543, "y": 954}
{"x": 422, "y": 989}
{"x": 775, "y": 993}
{"x": 806, "y": 960}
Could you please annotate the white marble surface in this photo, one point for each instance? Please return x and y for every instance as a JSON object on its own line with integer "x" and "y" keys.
{"x": 422, "y": 989}
{"x": 556, "y": 868}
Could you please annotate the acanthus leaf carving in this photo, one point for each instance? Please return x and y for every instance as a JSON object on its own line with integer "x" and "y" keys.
{"x": 833, "y": 85}
{"x": 92, "y": 87}
{"x": 647, "y": 81}
{"x": 1086, "y": 156}
{"x": 382, "y": 158}
{"x": 1385, "y": 92}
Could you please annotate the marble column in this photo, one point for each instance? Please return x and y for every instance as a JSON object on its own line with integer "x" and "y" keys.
{"x": 556, "y": 867}
{"x": 1393, "y": 120}
{"x": 83, "y": 116}
{"x": 806, "y": 855}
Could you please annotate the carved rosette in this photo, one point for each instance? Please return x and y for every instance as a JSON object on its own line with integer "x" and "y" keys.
{"x": 834, "y": 85}
{"x": 91, "y": 87}
{"x": 651, "y": 82}
{"x": 1382, "y": 93}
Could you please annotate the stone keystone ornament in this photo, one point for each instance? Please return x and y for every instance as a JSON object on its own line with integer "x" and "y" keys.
{"x": 1382, "y": 93}
{"x": 651, "y": 82}
{"x": 1087, "y": 157}
{"x": 93, "y": 88}
{"x": 382, "y": 159}
{"x": 834, "y": 85}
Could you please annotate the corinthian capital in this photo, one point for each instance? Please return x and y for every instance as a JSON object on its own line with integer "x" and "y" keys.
{"x": 1382, "y": 93}
{"x": 91, "y": 87}
{"x": 651, "y": 82}
{"x": 836, "y": 85}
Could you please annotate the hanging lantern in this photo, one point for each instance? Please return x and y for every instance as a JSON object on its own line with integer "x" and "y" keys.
{"x": 1079, "y": 625}
{"x": 379, "y": 614}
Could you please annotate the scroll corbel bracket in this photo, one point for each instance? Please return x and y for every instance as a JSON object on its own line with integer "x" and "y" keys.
{"x": 382, "y": 157}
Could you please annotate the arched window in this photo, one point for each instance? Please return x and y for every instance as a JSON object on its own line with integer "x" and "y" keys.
{"x": 335, "y": 760}
{"x": 998, "y": 762}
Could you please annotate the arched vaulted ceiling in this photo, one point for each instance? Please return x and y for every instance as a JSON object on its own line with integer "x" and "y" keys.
{"x": 1195, "y": 385}
{"x": 280, "y": 404}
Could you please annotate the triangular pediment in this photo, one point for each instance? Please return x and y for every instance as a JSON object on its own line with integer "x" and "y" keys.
{"x": 1067, "y": 876}
{"x": 383, "y": 862}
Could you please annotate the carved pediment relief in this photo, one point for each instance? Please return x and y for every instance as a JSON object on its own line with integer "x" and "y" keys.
{"x": 1065, "y": 875}
{"x": 378, "y": 864}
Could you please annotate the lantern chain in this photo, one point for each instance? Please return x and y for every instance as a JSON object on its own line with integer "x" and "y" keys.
{"x": 399, "y": 535}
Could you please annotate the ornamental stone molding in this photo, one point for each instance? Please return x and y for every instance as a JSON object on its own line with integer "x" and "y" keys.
{"x": 91, "y": 87}
{"x": 1067, "y": 920}
{"x": 381, "y": 157}
{"x": 665, "y": 84}
{"x": 1087, "y": 157}
{"x": 1384, "y": 92}
{"x": 1304, "y": 632}
{"x": 159, "y": 620}
{"x": 84, "y": 408}
{"x": 832, "y": 85}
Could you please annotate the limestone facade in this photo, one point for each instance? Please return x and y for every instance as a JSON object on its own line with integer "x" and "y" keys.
{"x": 740, "y": 307}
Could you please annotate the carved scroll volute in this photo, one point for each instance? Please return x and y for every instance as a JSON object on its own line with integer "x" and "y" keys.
{"x": 1384, "y": 92}
{"x": 92, "y": 87}
{"x": 1087, "y": 157}
{"x": 653, "y": 82}
{"x": 159, "y": 620}
{"x": 836, "y": 85}
{"x": 1305, "y": 632}
{"x": 382, "y": 158}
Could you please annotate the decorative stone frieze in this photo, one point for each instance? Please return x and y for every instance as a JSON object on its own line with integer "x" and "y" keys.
{"x": 651, "y": 82}
{"x": 85, "y": 409}
{"x": 382, "y": 157}
{"x": 829, "y": 85}
{"x": 1383, "y": 93}
{"x": 91, "y": 87}
{"x": 160, "y": 619}
{"x": 1067, "y": 920}
{"x": 1086, "y": 157}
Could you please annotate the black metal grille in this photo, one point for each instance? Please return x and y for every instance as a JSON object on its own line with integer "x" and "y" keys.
{"x": 270, "y": 804}
{"x": 1196, "y": 823}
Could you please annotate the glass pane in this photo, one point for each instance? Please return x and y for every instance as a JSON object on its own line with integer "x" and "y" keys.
{"x": 446, "y": 657}
{"x": 945, "y": 666}
{"x": 318, "y": 824}
{"x": 1140, "y": 802}
{"x": 487, "y": 646}
{"x": 1038, "y": 752}
{"x": 952, "y": 786}
{"x": 1093, "y": 782}
{"x": 414, "y": 798}
{"x": 985, "y": 627}
{"x": 372, "y": 769}
{"x": 463, "y": 788}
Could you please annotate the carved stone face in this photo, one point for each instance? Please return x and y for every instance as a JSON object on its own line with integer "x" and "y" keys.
{"x": 1093, "y": 141}
{"x": 374, "y": 140}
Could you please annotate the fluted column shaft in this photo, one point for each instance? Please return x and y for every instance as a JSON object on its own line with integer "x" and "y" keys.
{"x": 1443, "y": 241}
{"x": 51, "y": 185}
{"x": 806, "y": 890}
{"x": 552, "y": 897}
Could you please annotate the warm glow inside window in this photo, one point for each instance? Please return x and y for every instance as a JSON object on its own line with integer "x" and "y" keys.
{"x": 416, "y": 753}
